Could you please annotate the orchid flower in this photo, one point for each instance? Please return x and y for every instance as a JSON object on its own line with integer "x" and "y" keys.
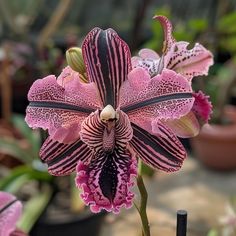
{"x": 99, "y": 128}
{"x": 188, "y": 62}
{"x": 10, "y": 211}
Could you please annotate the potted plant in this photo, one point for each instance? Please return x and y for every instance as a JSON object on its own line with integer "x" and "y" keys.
{"x": 215, "y": 144}
{"x": 47, "y": 208}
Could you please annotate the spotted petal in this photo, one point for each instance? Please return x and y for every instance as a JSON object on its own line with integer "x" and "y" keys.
{"x": 144, "y": 54}
{"x": 189, "y": 62}
{"x": 62, "y": 158}
{"x": 107, "y": 180}
{"x": 60, "y": 109}
{"x": 108, "y": 61}
{"x": 163, "y": 151}
{"x": 10, "y": 211}
{"x": 165, "y": 96}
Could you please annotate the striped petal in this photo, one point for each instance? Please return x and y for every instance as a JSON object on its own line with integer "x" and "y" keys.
{"x": 62, "y": 159}
{"x": 108, "y": 61}
{"x": 97, "y": 135}
{"x": 10, "y": 211}
{"x": 189, "y": 62}
{"x": 167, "y": 28}
{"x": 61, "y": 109}
{"x": 107, "y": 180}
{"x": 163, "y": 151}
{"x": 165, "y": 96}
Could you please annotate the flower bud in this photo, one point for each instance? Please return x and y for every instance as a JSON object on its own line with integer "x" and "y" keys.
{"x": 75, "y": 60}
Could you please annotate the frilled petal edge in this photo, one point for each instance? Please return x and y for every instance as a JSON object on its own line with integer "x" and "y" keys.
{"x": 61, "y": 109}
{"x": 106, "y": 180}
{"x": 188, "y": 62}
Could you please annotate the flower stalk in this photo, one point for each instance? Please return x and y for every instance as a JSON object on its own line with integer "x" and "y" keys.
{"x": 143, "y": 201}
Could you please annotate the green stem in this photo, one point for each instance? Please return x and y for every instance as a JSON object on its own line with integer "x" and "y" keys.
{"x": 143, "y": 202}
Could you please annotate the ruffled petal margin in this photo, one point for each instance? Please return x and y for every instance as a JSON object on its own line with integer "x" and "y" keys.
{"x": 61, "y": 109}
{"x": 202, "y": 107}
{"x": 189, "y": 62}
{"x": 107, "y": 180}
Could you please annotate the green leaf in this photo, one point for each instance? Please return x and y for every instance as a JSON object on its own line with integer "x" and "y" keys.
{"x": 20, "y": 175}
{"x": 34, "y": 208}
{"x": 226, "y": 24}
{"x": 32, "y": 136}
{"x": 213, "y": 232}
{"x": 197, "y": 25}
{"x": 12, "y": 147}
{"x": 229, "y": 43}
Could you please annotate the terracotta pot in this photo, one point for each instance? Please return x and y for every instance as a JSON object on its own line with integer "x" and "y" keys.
{"x": 215, "y": 146}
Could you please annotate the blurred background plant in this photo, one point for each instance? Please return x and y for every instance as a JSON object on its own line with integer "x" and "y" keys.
{"x": 227, "y": 222}
{"x": 34, "y": 36}
{"x": 24, "y": 175}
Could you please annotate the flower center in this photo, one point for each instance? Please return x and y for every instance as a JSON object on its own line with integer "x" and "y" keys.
{"x": 109, "y": 116}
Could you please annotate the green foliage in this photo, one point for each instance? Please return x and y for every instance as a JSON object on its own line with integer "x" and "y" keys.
{"x": 226, "y": 24}
{"x": 155, "y": 42}
{"x": 21, "y": 175}
{"x": 184, "y": 31}
{"x": 31, "y": 170}
{"x": 34, "y": 208}
{"x": 32, "y": 137}
{"x": 213, "y": 232}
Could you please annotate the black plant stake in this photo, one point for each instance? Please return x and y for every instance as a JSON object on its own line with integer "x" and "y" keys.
{"x": 181, "y": 229}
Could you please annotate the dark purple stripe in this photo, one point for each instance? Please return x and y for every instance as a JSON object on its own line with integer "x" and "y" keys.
{"x": 61, "y": 106}
{"x": 156, "y": 100}
{"x": 157, "y": 144}
{"x": 107, "y": 59}
{"x": 7, "y": 205}
{"x": 66, "y": 153}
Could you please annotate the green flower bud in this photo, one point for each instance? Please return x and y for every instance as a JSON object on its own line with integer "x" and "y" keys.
{"x": 75, "y": 60}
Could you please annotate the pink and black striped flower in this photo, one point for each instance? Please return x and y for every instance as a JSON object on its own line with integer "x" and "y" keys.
{"x": 99, "y": 128}
{"x": 188, "y": 62}
{"x": 10, "y": 212}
